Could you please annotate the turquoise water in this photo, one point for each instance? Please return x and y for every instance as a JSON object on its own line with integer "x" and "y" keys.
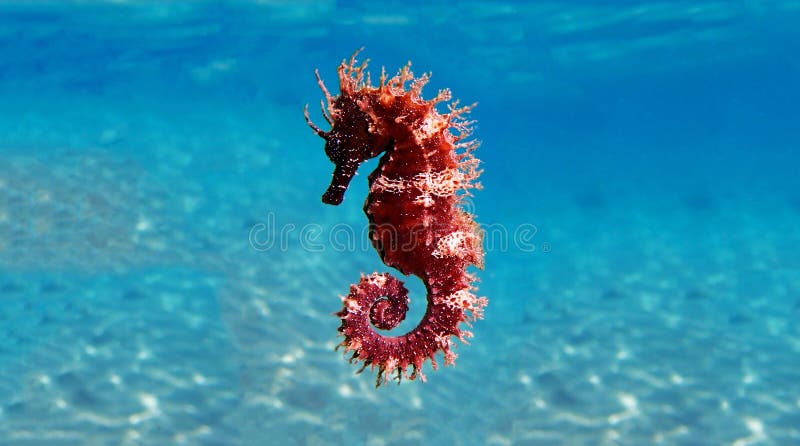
{"x": 161, "y": 283}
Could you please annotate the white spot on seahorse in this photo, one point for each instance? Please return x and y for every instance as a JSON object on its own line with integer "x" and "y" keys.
{"x": 459, "y": 244}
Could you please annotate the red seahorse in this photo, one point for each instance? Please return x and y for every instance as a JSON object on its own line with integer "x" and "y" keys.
{"x": 414, "y": 207}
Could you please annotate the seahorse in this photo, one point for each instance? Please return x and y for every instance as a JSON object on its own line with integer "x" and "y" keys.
{"x": 415, "y": 207}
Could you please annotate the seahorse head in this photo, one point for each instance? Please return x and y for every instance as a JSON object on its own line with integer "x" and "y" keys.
{"x": 348, "y": 144}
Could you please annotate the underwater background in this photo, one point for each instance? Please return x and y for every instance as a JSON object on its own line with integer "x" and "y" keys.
{"x": 159, "y": 283}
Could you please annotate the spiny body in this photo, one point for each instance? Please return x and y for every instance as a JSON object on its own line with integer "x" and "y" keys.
{"x": 416, "y": 222}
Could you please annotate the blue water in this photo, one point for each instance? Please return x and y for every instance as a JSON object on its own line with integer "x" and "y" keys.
{"x": 650, "y": 151}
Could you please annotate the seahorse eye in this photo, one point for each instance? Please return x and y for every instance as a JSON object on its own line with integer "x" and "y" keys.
{"x": 332, "y": 148}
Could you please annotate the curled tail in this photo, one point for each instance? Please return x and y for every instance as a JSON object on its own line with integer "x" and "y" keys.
{"x": 381, "y": 301}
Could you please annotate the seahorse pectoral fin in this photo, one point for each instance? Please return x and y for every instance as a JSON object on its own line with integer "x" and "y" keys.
{"x": 339, "y": 183}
